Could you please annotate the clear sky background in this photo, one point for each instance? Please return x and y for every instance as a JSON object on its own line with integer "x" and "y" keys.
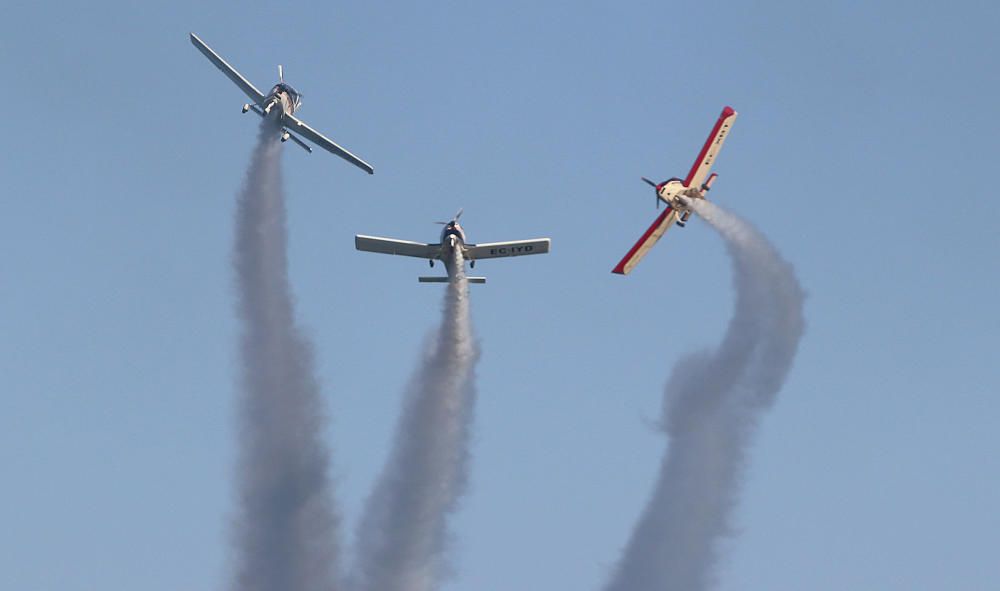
{"x": 865, "y": 149}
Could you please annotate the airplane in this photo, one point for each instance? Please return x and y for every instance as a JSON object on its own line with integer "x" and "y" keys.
{"x": 677, "y": 193}
{"x": 452, "y": 237}
{"x": 283, "y": 100}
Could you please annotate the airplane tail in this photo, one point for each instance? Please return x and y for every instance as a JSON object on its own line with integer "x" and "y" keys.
{"x": 439, "y": 279}
{"x": 707, "y": 186}
{"x": 703, "y": 191}
{"x": 295, "y": 138}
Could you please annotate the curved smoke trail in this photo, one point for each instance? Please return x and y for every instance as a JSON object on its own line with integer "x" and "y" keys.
{"x": 286, "y": 525}
{"x": 711, "y": 406}
{"x": 403, "y": 533}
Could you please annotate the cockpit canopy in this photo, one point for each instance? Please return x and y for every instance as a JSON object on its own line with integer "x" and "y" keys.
{"x": 452, "y": 227}
{"x": 286, "y": 88}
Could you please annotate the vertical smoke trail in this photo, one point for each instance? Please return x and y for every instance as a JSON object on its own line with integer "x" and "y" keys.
{"x": 711, "y": 406}
{"x": 402, "y": 535}
{"x": 285, "y": 529}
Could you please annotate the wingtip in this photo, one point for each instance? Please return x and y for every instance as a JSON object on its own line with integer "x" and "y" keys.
{"x": 728, "y": 111}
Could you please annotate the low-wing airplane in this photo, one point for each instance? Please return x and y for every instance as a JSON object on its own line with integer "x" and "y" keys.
{"x": 283, "y": 100}
{"x": 452, "y": 237}
{"x": 677, "y": 193}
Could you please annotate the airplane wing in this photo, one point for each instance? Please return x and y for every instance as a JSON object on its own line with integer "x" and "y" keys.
{"x": 249, "y": 89}
{"x": 492, "y": 250}
{"x": 699, "y": 171}
{"x": 295, "y": 125}
{"x": 402, "y": 247}
{"x": 654, "y": 233}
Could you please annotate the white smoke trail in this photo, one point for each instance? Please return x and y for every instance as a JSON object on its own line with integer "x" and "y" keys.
{"x": 285, "y": 529}
{"x": 711, "y": 406}
{"x": 402, "y": 536}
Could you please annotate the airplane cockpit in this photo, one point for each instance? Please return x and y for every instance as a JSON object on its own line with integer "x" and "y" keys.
{"x": 293, "y": 95}
{"x": 452, "y": 229}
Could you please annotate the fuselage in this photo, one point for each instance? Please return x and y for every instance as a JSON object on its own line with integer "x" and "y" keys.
{"x": 675, "y": 194}
{"x": 452, "y": 239}
{"x": 284, "y": 97}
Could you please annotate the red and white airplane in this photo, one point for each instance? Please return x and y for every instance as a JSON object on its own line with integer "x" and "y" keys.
{"x": 677, "y": 193}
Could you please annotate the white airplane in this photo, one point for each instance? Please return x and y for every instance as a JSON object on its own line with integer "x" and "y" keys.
{"x": 677, "y": 193}
{"x": 452, "y": 237}
{"x": 284, "y": 100}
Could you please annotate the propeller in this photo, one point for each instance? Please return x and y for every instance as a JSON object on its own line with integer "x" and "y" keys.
{"x": 655, "y": 188}
{"x": 454, "y": 219}
{"x": 281, "y": 74}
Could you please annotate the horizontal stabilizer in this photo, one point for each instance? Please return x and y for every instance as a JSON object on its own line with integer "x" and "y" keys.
{"x": 438, "y": 279}
{"x": 301, "y": 143}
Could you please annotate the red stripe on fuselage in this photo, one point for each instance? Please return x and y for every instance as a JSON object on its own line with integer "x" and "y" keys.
{"x": 620, "y": 267}
{"x": 726, "y": 113}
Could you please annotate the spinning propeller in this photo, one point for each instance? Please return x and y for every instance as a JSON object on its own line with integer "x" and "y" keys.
{"x": 454, "y": 220}
{"x": 655, "y": 188}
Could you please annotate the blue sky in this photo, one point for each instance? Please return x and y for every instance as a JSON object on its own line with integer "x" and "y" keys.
{"x": 864, "y": 150}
